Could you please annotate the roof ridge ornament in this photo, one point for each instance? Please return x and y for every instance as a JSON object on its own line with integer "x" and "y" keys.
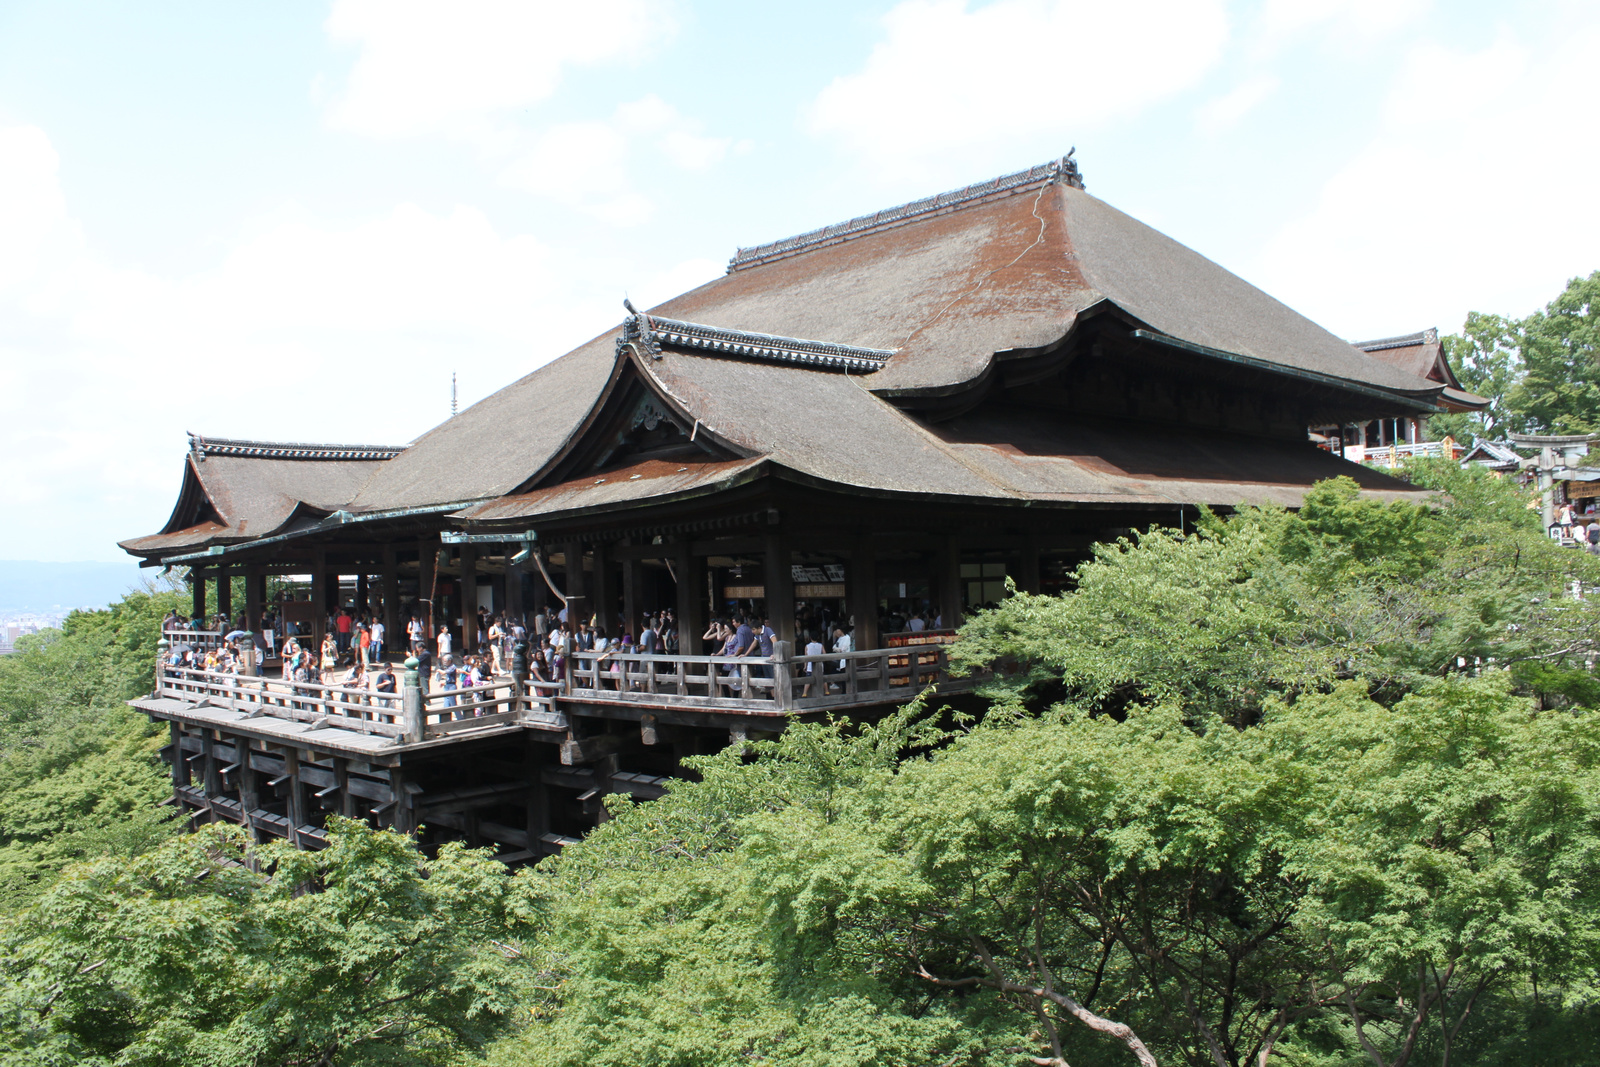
{"x": 201, "y": 447}
{"x": 649, "y": 334}
{"x": 636, "y": 331}
{"x": 1063, "y": 171}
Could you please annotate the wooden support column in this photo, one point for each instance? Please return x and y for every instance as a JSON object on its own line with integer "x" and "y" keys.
{"x": 249, "y": 785}
{"x": 691, "y": 571}
{"x": 297, "y": 794}
{"x": 632, "y": 590}
{"x": 863, "y": 590}
{"x": 255, "y": 590}
{"x": 469, "y": 598}
{"x": 779, "y": 582}
{"x": 225, "y": 596}
{"x": 319, "y": 599}
{"x": 573, "y": 583}
{"x": 541, "y": 592}
{"x": 514, "y": 572}
{"x": 197, "y": 589}
{"x": 180, "y": 766}
{"x": 427, "y": 564}
{"x": 341, "y": 778}
{"x": 1028, "y": 578}
{"x": 405, "y": 809}
{"x": 210, "y": 769}
{"x": 948, "y": 569}
{"x": 537, "y": 822}
{"x": 605, "y": 593}
{"x": 363, "y": 607}
{"x": 394, "y": 632}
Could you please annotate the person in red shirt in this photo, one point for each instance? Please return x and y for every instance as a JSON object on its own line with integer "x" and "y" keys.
{"x": 343, "y": 623}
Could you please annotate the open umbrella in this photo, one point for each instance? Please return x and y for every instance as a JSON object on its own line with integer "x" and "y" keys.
{"x": 234, "y": 635}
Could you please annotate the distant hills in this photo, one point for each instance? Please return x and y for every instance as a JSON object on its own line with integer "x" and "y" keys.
{"x": 32, "y": 586}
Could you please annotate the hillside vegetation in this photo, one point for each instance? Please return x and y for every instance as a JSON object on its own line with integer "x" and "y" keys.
{"x": 1307, "y": 789}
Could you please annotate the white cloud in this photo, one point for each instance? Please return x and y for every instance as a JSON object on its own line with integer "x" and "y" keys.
{"x": 308, "y": 330}
{"x": 1346, "y": 19}
{"x": 947, "y": 80}
{"x": 1227, "y": 111}
{"x": 587, "y": 165}
{"x": 1472, "y": 196}
{"x": 427, "y": 67}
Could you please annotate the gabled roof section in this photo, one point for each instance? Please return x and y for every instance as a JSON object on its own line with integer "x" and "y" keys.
{"x": 1422, "y": 354}
{"x": 635, "y": 418}
{"x": 241, "y": 490}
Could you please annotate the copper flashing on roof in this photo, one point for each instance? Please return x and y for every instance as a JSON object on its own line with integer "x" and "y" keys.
{"x": 1429, "y": 336}
{"x": 1063, "y": 170}
{"x": 218, "y": 446}
{"x": 823, "y": 355}
{"x": 1417, "y": 399}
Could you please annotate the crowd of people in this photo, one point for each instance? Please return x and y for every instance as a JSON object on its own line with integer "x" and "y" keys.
{"x": 1582, "y": 529}
{"x": 351, "y": 655}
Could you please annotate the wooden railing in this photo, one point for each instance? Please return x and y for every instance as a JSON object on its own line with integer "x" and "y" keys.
{"x": 440, "y": 713}
{"x": 763, "y": 685}
{"x": 199, "y": 640}
{"x": 750, "y": 685}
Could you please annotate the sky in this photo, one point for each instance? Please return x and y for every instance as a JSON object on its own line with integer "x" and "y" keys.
{"x": 295, "y": 221}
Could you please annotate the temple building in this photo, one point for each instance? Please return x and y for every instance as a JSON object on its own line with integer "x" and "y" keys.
{"x": 887, "y": 417}
{"x": 1390, "y": 441}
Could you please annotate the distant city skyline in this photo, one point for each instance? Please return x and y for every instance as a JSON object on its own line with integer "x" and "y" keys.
{"x": 298, "y": 221}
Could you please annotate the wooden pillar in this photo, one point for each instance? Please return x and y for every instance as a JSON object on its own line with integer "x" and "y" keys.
{"x": 180, "y": 766}
{"x": 249, "y": 785}
{"x": 225, "y": 596}
{"x": 573, "y": 583}
{"x": 319, "y": 599}
{"x": 779, "y": 582}
{"x": 691, "y": 600}
{"x": 632, "y": 591}
{"x": 863, "y": 590}
{"x": 297, "y": 794}
{"x": 341, "y": 779}
{"x": 469, "y": 598}
{"x": 537, "y": 822}
{"x": 541, "y": 592}
{"x": 605, "y": 594}
{"x": 255, "y": 589}
{"x": 1029, "y": 579}
{"x": 948, "y": 569}
{"x": 427, "y": 564}
{"x": 393, "y": 630}
{"x": 363, "y": 608}
{"x": 514, "y": 572}
{"x": 210, "y": 768}
{"x": 197, "y": 589}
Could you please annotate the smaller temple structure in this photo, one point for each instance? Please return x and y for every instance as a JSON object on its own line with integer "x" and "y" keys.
{"x": 1386, "y": 442}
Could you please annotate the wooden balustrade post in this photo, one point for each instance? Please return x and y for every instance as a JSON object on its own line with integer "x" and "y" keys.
{"x": 412, "y": 722}
{"x": 783, "y": 674}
